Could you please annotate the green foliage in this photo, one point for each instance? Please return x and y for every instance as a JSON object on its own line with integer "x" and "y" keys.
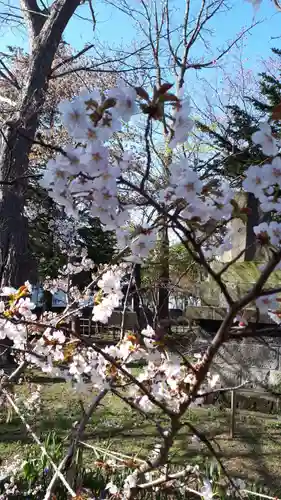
{"x": 44, "y": 243}
{"x": 181, "y": 265}
{"x": 100, "y": 244}
{"x": 181, "y": 262}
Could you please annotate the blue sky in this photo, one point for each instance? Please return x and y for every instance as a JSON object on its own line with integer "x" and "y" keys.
{"x": 113, "y": 28}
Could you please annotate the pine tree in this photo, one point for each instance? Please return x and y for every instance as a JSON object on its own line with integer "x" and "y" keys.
{"x": 236, "y": 151}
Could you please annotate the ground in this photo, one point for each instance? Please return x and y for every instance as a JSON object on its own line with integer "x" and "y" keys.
{"x": 253, "y": 454}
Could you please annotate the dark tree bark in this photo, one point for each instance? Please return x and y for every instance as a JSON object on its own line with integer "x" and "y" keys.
{"x": 164, "y": 278}
{"x": 45, "y": 32}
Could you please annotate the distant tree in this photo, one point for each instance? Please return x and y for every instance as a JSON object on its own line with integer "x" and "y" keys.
{"x": 233, "y": 148}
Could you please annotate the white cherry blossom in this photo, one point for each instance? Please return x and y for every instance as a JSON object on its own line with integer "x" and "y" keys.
{"x": 25, "y": 306}
{"x": 206, "y": 491}
{"x": 255, "y": 180}
{"x": 125, "y": 96}
{"x": 264, "y": 138}
{"x": 74, "y": 117}
{"x": 183, "y": 124}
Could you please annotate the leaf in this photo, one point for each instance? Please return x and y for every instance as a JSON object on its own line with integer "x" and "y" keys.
{"x": 165, "y": 87}
{"x": 276, "y": 112}
{"x": 168, "y": 98}
{"x": 142, "y": 93}
{"x": 109, "y": 103}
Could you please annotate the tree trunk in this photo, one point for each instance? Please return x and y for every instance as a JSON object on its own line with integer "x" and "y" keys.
{"x": 16, "y": 142}
{"x": 164, "y": 277}
{"x": 136, "y": 297}
{"x": 164, "y": 254}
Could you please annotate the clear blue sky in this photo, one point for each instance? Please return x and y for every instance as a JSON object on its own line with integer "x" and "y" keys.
{"x": 115, "y": 28}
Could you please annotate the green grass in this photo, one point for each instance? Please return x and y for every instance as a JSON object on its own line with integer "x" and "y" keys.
{"x": 253, "y": 454}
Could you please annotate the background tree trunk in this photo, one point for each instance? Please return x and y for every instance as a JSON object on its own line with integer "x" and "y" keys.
{"x": 164, "y": 277}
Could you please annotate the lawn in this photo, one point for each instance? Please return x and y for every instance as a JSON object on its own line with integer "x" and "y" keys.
{"x": 253, "y": 454}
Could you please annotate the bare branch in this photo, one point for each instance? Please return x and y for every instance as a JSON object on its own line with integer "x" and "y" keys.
{"x": 37, "y": 441}
{"x": 71, "y": 59}
{"x": 210, "y": 64}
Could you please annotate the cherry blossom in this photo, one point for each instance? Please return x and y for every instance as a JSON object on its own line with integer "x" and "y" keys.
{"x": 111, "y": 488}
{"x": 142, "y": 245}
{"x": 264, "y": 138}
{"x": 90, "y": 178}
{"x": 262, "y": 231}
{"x": 25, "y": 306}
{"x": 74, "y": 117}
{"x": 183, "y": 124}
{"x": 255, "y": 179}
{"x": 126, "y": 100}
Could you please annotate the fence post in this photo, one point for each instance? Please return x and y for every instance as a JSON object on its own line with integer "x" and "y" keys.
{"x": 232, "y": 413}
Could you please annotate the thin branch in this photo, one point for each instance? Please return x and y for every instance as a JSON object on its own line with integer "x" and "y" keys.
{"x": 67, "y": 461}
{"x": 72, "y": 58}
{"x": 210, "y": 447}
{"x": 125, "y": 303}
{"x": 224, "y": 329}
{"x": 115, "y": 455}
{"x": 270, "y": 291}
{"x": 210, "y": 64}
{"x": 167, "y": 477}
{"x": 92, "y": 14}
{"x": 37, "y": 441}
{"x": 229, "y": 264}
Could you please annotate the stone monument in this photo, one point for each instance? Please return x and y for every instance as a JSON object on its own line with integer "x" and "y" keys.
{"x": 243, "y": 233}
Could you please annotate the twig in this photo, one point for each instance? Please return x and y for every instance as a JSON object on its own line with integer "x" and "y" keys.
{"x": 114, "y": 454}
{"x": 210, "y": 447}
{"x": 168, "y": 477}
{"x": 260, "y": 495}
{"x": 37, "y": 440}
{"x": 72, "y": 58}
{"x": 54, "y": 480}
{"x": 226, "y": 267}
{"x": 87, "y": 415}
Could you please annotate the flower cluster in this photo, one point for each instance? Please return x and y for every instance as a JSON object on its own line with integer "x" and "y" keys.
{"x": 88, "y": 176}
{"x": 109, "y": 295}
{"x": 264, "y": 180}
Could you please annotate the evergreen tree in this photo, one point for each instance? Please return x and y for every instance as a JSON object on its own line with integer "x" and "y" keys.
{"x": 233, "y": 143}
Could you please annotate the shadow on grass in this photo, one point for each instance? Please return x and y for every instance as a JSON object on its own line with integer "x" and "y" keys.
{"x": 251, "y": 455}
